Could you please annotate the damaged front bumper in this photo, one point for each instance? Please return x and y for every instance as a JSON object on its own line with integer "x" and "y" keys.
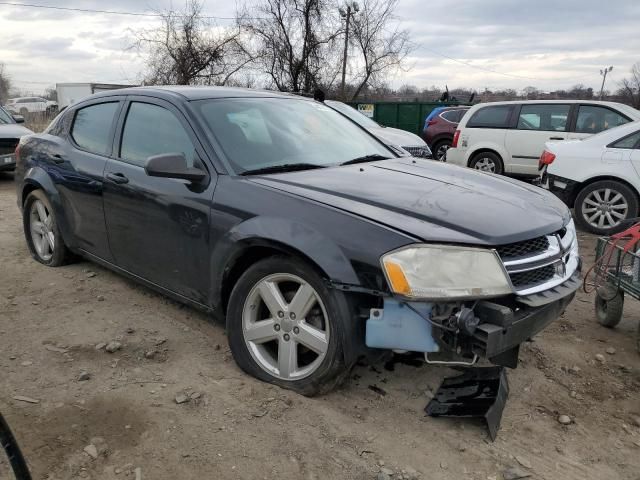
{"x": 501, "y": 325}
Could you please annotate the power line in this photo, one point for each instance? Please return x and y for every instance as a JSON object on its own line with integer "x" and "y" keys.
{"x": 109, "y": 12}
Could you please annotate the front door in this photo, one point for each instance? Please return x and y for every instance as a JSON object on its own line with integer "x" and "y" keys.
{"x": 159, "y": 227}
{"x": 536, "y": 124}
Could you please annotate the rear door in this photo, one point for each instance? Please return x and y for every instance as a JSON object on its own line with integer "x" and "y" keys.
{"x": 534, "y": 125}
{"x": 77, "y": 166}
{"x": 592, "y": 119}
{"x": 159, "y": 227}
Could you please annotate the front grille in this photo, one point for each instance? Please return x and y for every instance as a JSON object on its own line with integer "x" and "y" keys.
{"x": 8, "y": 145}
{"x": 532, "y": 277}
{"x": 521, "y": 249}
{"x": 422, "y": 152}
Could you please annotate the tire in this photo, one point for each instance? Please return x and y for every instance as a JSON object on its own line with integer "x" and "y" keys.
{"x": 440, "y": 149}
{"x": 41, "y": 251}
{"x": 258, "y": 354}
{"x": 23, "y": 111}
{"x": 607, "y": 200}
{"x": 487, "y": 162}
{"x": 609, "y": 307}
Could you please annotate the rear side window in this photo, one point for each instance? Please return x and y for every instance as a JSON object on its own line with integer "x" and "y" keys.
{"x": 153, "y": 130}
{"x": 543, "y": 117}
{"x": 630, "y": 141}
{"x": 92, "y": 127}
{"x": 491, "y": 117}
{"x": 593, "y": 119}
{"x": 452, "y": 116}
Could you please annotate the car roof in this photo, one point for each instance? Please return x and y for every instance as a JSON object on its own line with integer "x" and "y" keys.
{"x": 518, "y": 102}
{"x": 190, "y": 93}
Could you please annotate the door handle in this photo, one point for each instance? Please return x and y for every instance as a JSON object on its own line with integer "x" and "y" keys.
{"x": 556, "y": 138}
{"x": 118, "y": 178}
{"x": 57, "y": 158}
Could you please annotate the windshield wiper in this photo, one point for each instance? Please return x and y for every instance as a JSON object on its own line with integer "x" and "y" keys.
{"x": 288, "y": 167}
{"x": 365, "y": 158}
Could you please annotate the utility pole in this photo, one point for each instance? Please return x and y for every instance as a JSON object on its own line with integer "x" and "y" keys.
{"x": 604, "y": 72}
{"x": 351, "y": 7}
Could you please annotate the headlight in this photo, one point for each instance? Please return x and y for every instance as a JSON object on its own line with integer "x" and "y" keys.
{"x": 442, "y": 272}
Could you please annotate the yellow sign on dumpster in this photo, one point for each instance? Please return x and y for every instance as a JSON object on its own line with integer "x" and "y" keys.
{"x": 366, "y": 109}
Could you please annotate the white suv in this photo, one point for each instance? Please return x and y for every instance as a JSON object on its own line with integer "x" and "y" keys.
{"x": 508, "y": 137}
{"x": 24, "y": 105}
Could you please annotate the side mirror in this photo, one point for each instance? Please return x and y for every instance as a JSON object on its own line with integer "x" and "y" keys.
{"x": 18, "y": 118}
{"x": 173, "y": 165}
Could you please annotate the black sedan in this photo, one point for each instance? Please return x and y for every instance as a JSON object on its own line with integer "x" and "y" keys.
{"x": 10, "y": 134}
{"x": 302, "y": 230}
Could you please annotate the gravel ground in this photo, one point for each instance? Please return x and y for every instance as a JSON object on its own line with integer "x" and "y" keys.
{"x": 104, "y": 415}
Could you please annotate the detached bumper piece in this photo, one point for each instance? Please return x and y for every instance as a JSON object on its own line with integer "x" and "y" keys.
{"x": 477, "y": 393}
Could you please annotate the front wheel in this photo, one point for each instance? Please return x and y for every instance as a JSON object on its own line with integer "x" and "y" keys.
{"x": 487, "y": 162}
{"x": 609, "y": 305}
{"x": 602, "y": 207}
{"x": 286, "y": 327}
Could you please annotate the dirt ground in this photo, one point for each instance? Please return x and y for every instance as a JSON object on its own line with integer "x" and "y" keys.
{"x": 235, "y": 427}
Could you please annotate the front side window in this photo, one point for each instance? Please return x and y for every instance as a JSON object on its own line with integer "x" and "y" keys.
{"x": 630, "y": 141}
{"x": 258, "y": 133}
{"x": 543, "y": 117}
{"x": 92, "y": 127}
{"x": 593, "y": 119}
{"x": 153, "y": 130}
{"x": 491, "y": 117}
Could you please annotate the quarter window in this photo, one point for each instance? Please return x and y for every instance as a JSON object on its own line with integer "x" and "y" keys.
{"x": 630, "y": 141}
{"x": 451, "y": 116}
{"x": 92, "y": 127}
{"x": 543, "y": 117}
{"x": 153, "y": 130}
{"x": 491, "y": 117}
{"x": 593, "y": 119}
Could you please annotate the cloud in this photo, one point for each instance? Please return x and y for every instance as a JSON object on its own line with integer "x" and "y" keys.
{"x": 550, "y": 44}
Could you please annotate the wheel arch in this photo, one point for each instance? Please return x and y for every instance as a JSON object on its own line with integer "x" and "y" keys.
{"x": 485, "y": 150}
{"x": 599, "y": 178}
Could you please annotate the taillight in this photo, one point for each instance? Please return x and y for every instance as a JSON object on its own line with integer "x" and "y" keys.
{"x": 546, "y": 158}
{"x": 431, "y": 122}
{"x": 456, "y": 136}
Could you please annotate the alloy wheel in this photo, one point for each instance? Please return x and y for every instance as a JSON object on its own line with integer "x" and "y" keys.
{"x": 441, "y": 152}
{"x": 604, "y": 208}
{"x": 285, "y": 326}
{"x": 41, "y": 227}
{"x": 485, "y": 164}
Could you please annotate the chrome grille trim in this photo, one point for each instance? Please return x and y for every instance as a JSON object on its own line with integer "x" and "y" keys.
{"x": 562, "y": 253}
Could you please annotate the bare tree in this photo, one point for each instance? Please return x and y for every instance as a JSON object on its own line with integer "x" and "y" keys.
{"x": 381, "y": 46}
{"x": 190, "y": 49}
{"x": 294, "y": 41}
{"x": 630, "y": 87}
{"x": 5, "y": 84}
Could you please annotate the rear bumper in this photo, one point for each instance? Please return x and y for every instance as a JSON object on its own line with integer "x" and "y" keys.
{"x": 563, "y": 188}
{"x": 456, "y": 156}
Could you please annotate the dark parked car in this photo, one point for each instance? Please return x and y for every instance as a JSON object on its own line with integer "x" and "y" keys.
{"x": 439, "y": 128}
{"x": 10, "y": 133}
{"x": 298, "y": 227}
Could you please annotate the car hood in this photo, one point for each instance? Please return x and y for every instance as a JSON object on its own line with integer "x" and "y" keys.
{"x": 431, "y": 201}
{"x": 395, "y": 136}
{"x": 13, "y": 130}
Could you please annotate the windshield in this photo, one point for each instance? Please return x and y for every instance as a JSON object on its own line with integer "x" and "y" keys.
{"x": 353, "y": 114}
{"x": 262, "y": 133}
{"x": 4, "y": 116}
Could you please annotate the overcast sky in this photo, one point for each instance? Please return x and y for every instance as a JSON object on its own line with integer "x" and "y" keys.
{"x": 550, "y": 44}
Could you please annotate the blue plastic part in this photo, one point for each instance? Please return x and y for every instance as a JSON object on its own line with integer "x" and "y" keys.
{"x": 398, "y": 327}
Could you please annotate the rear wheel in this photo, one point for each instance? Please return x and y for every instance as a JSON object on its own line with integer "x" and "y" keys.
{"x": 41, "y": 231}
{"x": 602, "y": 206}
{"x": 286, "y": 327}
{"x": 440, "y": 149}
{"x": 487, "y": 162}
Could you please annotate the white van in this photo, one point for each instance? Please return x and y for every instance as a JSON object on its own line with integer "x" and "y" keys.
{"x": 509, "y": 137}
